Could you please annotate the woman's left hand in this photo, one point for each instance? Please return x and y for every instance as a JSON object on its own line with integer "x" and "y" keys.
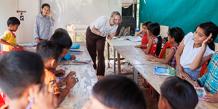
{"x": 204, "y": 44}
{"x": 112, "y": 34}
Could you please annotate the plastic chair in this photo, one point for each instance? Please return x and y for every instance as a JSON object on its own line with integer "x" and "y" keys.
{"x": 166, "y": 45}
{"x": 203, "y": 68}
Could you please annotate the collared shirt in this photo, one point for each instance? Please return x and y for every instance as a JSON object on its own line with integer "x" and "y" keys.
{"x": 42, "y": 27}
{"x": 210, "y": 80}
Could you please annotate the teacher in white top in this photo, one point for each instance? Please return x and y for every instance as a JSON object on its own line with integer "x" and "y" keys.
{"x": 96, "y": 34}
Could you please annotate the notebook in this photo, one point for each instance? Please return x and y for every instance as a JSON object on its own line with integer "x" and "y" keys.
{"x": 200, "y": 92}
{"x": 82, "y": 60}
{"x": 76, "y": 51}
{"x": 164, "y": 71}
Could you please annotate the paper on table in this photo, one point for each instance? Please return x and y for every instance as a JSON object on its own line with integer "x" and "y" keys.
{"x": 131, "y": 38}
{"x": 164, "y": 71}
{"x": 200, "y": 92}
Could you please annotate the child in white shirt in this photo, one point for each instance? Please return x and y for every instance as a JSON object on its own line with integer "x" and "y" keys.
{"x": 195, "y": 50}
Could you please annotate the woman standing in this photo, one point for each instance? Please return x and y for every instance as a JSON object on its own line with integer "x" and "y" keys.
{"x": 95, "y": 38}
{"x": 43, "y": 23}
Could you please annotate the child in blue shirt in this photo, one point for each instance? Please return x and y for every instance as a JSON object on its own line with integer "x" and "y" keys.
{"x": 62, "y": 38}
{"x": 210, "y": 80}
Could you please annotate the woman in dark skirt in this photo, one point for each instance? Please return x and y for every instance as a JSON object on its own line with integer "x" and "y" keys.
{"x": 96, "y": 34}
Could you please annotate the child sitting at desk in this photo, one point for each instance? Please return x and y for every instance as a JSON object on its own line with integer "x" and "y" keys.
{"x": 175, "y": 36}
{"x": 51, "y": 53}
{"x": 209, "y": 80}
{"x": 177, "y": 93}
{"x": 9, "y": 39}
{"x": 195, "y": 50}
{"x": 62, "y": 38}
{"x": 21, "y": 72}
{"x": 144, "y": 36}
{"x": 122, "y": 93}
{"x": 155, "y": 40}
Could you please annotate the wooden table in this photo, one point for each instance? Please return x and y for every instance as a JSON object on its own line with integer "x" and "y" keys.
{"x": 114, "y": 43}
{"x": 156, "y": 80}
{"x": 133, "y": 55}
{"x": 80, "y": 93}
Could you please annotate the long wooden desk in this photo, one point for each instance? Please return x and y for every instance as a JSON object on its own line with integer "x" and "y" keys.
{"x": 114, "y": 43}
{"x": 146, "y": 68}
{"x": 80, "y": 93}
{"x": 156, "y": 80}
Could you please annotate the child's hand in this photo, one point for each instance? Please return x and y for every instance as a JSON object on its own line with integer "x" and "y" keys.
{"x": 184, "y": 75}
{"x": 20, "y": 47}
{"x": 73, "y": 57}
{"x": 196, "y": 84}
{"x": 59, "y": 71}
{"x": 204, "y": 44}
{"x": 42, "y": 98}
{"x": 71, "y": 81}
{"x": 137, "y": 46}
{"x": 211, "y": 98}
{"x": 150, "y": 59}
{"x": 68, "y": 76}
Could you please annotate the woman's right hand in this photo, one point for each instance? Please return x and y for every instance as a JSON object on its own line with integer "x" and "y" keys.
{"x": 184, "y": 75}
{"x": 37, "y": 40}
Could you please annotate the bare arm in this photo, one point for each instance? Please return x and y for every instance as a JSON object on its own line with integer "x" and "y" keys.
{"x": 149, "y": 46}
{"x": 140, "y": 33}
{"x": 70, "y": 82}
{"x": 95, "y": 30}
{"x": 178, "y": 55}
{"x": 2, "y": 41}
{"x": 166, "y": 60}
{"x": 58, "y": 99}
{"x": 199, "y": 59}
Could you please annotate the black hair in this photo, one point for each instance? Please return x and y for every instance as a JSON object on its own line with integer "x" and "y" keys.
{"x": 176, "y": 33}
{"x": 62, "y": 38}
{"x": 45, "y": 4}
{"x": 154, "y": 28}
{"x": 13, "y": 21}
{"x": 19, "y": 70}
{"x": 120, "y": 92}
{"x": 179, "y": 93}
{"x": 48, "y": 50}
{"x": 146, "y": 23}
{"x": 210, "y": 27}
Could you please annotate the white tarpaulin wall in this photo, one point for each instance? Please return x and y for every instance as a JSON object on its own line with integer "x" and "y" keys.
{"x": 80, "y": 12}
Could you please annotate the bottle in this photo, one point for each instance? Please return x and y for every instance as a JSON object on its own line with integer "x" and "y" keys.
{"x": 137, "y": 30}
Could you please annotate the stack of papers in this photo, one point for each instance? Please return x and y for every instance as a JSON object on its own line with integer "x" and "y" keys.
{"x": 164, "y": 71}
{"x": 131, "y": 38}
{"x": 82, "y": 60}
